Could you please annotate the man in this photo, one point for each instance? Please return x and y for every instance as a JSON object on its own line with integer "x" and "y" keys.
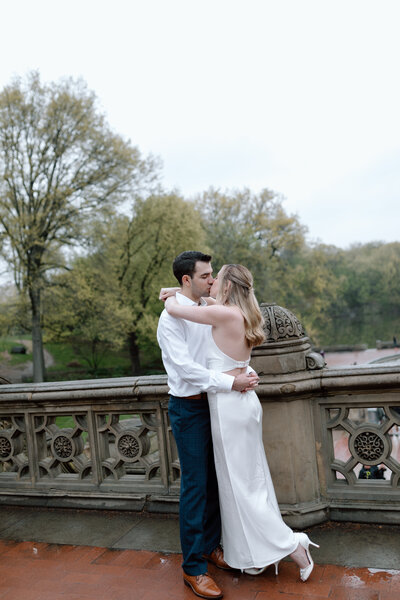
{"x": 182, "y": 344}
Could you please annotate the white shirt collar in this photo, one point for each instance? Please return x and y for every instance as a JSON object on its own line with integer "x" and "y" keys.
{"x": 181, "y": 299}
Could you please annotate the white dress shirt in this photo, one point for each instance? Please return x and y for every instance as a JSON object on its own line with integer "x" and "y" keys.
{"x": 183, "y": 347}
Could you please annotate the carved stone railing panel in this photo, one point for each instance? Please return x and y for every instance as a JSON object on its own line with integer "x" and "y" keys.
{"x": 13, "y": 453}
{"x": 63, "y": 450}
{"x": 129, "y": 446}
{"x": 101, "y": 441}
{"x": 364, "y": 444}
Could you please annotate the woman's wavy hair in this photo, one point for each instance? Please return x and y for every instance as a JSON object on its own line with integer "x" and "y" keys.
{"x": 236, "y": 288}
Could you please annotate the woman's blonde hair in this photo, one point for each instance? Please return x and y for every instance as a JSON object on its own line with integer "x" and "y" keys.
{"x": 236, "y": 288}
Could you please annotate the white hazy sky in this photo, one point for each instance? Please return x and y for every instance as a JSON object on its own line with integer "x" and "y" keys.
{"x": 300, "y": 96}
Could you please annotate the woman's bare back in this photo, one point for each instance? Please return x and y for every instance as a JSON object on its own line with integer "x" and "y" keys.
{"x": 229, "y": 334}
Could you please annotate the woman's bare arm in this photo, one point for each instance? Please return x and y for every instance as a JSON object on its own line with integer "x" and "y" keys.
{"x": 214, "y": 314}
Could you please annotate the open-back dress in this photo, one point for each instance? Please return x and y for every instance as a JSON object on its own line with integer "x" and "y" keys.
{"x": 253, "y": 531}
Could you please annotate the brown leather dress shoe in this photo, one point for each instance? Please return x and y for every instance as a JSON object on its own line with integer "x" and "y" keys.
{"x": 203, "y": 585}
{"x": 217, "y": 558}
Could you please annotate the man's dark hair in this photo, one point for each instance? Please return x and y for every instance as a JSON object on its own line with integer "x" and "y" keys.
{"x": 185, "y": 263}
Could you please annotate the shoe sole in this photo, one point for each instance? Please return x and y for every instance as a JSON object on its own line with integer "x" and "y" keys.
{"x": 201, "y": 595}
{"x": 256, "y": 572}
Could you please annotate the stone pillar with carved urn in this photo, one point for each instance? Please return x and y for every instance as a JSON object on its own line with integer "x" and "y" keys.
{"x": 287, "y": 366}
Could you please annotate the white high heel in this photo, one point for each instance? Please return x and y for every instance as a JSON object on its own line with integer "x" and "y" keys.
{"x": 254, "y": 571}
{"x": 305, "y": 541}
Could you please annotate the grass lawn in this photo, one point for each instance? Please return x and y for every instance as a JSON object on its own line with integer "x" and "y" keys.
{"x": 66, "y": 422}
{"x": 70, "y": 362}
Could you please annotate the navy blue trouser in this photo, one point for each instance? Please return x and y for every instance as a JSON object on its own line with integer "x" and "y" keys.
{"x": 199, "y": 516}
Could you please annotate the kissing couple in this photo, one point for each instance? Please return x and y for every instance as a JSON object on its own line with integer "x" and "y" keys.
{"x": 228, "y": 513}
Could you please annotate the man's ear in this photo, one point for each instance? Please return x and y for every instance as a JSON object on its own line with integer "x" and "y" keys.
{"x": 186, "y": 280}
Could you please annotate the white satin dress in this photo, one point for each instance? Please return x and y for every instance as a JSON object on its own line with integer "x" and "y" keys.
{"x": 253, "y": 531}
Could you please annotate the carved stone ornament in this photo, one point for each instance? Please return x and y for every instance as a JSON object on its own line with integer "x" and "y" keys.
{"x": 65, "y": 446}
{"x": 128, "y": 446}
{"x": 62, "y": 446}
{"x": 280, "y": 323}
{"x": 314, "y": 360}
{"x": 286, "y": 348}
{"x": 132, "y": 444}
{"x": 5, "y": 447}
{"x": 369, "y": 447}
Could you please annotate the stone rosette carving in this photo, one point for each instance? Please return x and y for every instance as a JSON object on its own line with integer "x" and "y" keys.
{"x": 12, "y": 448}
{"x": 128, "y": 446}
{"x": 369, "y": 447}
{"x": 132, "y": 444}
{"x": 65, "y": 445}
{"x": 62, "y": 447}
{"x": 6, "y": 448}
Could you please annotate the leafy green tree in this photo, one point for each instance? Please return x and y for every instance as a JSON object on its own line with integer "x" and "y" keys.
{"x": 254, "y": 230}
{"x": 388, "y": 265}
{"x": 372, "y": 275}
{"x": 312, "y": 289}
{"x": 367, "y": 305}
{"x": 59, "y": 163}
{"x": 84, "y": 307}
{"x": 14, "y": 311}
{"x": 110, "y": 294}
{"x": 161, "y": 227}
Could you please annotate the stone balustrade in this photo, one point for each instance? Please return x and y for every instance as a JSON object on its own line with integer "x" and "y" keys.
{"x": 100, "y": 443}
{"x": 108, "y": 443}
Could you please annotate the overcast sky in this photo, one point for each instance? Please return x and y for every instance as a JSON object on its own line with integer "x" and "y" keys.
{"x": 299, "y": 96}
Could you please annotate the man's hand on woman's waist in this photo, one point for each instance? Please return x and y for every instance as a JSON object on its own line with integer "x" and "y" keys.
{"x": 245, "y": 382}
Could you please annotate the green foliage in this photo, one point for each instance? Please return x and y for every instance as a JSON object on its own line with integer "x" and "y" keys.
{"x": 161, "y": 227}
{"x": 310, "y": 288}
{"x": 340, "y": 296}
{"x": 83, "y": 307}
{"x": 253, "y": 230}
{"x": 366, "y": 307}
{"x": 110, "y": 295}
{"x": 14, "y": 312}
{"x": 244, "y": 224}
{"x": 59, "y": 162}
{"x": 63, "y": 354}
{"x": 69, "y": 363}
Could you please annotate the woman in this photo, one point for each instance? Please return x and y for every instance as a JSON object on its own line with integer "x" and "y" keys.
{"x": 254, "y": 534}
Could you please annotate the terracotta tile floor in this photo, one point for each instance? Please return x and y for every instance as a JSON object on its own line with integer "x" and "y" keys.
{"x": 41, "y": 571}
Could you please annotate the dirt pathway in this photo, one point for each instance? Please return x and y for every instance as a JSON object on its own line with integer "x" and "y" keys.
{"x": 18, "y": 373}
